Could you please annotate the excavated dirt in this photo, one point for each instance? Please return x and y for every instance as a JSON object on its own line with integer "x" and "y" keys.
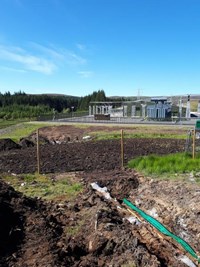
{"x": 92, "y": 230}
{"x": 8, "y": 144}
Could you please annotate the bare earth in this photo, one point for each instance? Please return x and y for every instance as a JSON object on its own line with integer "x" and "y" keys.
{"x": 92, "y": 231}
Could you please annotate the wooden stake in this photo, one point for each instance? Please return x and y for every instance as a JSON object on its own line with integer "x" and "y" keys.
{"x": 38, "y": 152}
{"x": 122, "y": 148}
{"x": 193, "y": 147}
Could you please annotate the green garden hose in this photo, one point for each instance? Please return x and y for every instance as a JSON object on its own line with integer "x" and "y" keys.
{"x": 163, "y": 229}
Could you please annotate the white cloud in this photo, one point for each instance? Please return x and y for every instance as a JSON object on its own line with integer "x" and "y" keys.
{"x": 27, "y": 60}
{"x": 63, "y": 55}
{"x": 39, "y": 58}
{"x": 12, "y": 69}
{"x": 85, "y": 74}
{"x": 48, "y": 51}
{"x": 80, "y": 46}
{"x": 75, "y": 59}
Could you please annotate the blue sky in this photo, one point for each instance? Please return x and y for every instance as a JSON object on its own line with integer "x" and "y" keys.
{"x": 76, "y": 47}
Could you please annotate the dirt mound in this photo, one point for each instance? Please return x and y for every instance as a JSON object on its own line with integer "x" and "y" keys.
{"x": 25, "y": 142}
{"x": 31, "y": 140}
{"x": 119, "y": 182}
{"x": 60, "y": 134}
{"x": 102, "y": 234}
{"x": 11, "y": 230}
{"x": 92, "y": 230}
{"x": 29, "y": 230}
{"x": 8, "y": 144}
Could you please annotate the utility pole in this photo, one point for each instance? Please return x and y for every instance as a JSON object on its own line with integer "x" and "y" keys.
{"x": 187, "y": 115}
{"x": 180, "y": 108}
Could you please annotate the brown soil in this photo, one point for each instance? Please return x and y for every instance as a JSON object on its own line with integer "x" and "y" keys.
{"x": 79, "y": 156}
{"x": 93, "y": 231}
{"x": 8, "y": 144}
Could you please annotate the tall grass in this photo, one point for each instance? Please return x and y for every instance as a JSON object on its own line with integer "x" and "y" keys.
{"x": 173, "y": 163}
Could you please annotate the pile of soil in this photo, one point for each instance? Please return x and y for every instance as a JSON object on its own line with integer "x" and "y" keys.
{"x": 29, "y": 231}
{"x": 8, "y": 144}
{"x": 93, "y": 231}
{"x": 26, "y": 142}
{"x": 61, "y": 134}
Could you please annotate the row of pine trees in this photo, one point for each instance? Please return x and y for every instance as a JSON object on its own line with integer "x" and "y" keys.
{"x": 21, "y": 105}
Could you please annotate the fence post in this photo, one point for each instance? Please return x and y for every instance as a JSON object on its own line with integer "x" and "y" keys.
{"x": 38, "y": 152}
{"x": 122, "y": 148}
{"x": 193, "y": 147}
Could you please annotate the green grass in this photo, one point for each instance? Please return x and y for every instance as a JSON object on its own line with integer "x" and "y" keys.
{"x": 23, "y": 130}
{"x": 117, "y": 135}
{"x": 100, "y": 135}
{"x": 178, "y": 163}
{"x": 42, "y": 186}
{"x": 7, "y": 123}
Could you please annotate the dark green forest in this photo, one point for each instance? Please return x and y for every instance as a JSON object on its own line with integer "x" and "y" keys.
{"x": 21, "y": 105}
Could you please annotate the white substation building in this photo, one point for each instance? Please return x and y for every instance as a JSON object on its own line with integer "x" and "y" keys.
{"x": 118, "y": 109}
{"x": 155, "y": 108}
